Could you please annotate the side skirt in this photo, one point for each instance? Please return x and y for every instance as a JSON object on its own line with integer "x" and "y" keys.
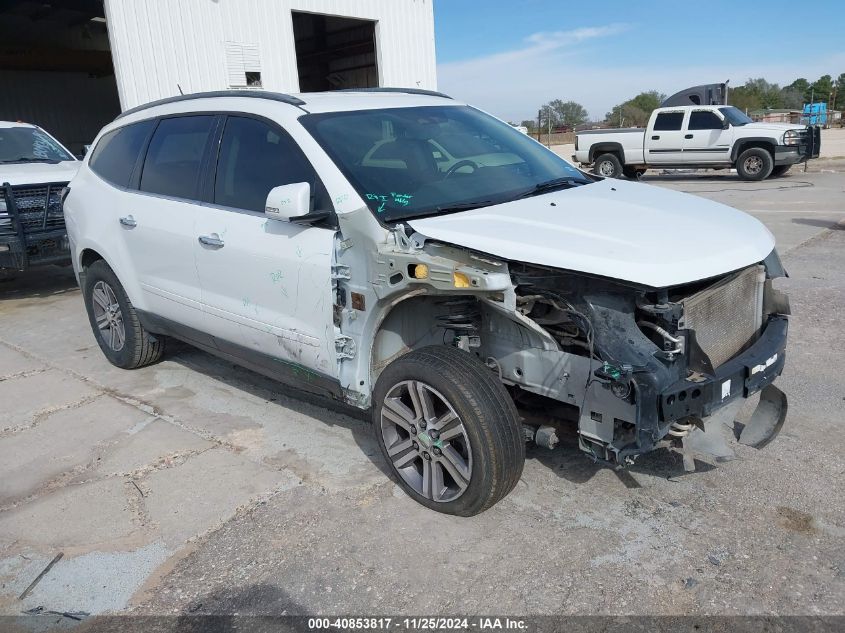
{"x": 286, "y": 372}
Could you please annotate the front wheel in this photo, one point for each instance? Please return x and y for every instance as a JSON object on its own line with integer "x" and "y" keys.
{"x": 449, "y": 430}
{"x": 754, "y": 163}
{"x": 119, "y": 333}
{"x": 608, "y": 165}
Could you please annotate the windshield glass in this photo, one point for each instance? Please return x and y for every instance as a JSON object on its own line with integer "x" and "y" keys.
{"x": 408, "y": 162}
{"x": 28, "y": 145}
{"x": 735, "y": 116}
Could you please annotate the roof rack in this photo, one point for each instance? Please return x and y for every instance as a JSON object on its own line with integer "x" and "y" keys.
{"x": 255, "y": 94}
{"x": 410, "y": 91}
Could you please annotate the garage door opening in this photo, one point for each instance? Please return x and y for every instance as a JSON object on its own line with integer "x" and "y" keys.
{"x": 56, "y": 68}
{"x": 334, "y": 53}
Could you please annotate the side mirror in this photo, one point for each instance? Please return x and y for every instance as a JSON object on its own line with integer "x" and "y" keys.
{"x": 725, "y": 124}
{"x": 288, "y": 202}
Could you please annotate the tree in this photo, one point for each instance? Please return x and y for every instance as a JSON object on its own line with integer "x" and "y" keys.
{"x": 635, "y": 111}
{"x": 820, "y": 90}
{"x": 563, "y": 113}
{"x": 529, "y": 124}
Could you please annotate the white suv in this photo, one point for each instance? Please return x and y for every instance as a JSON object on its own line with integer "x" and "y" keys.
{"x": 414, "y": 256}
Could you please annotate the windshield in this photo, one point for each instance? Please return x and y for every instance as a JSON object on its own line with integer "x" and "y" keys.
{"x": 735, "y": 116}
{"x": 30, "y": 145}
{"x": 409, "y": 162}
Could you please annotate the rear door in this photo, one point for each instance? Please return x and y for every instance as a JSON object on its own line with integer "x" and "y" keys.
{"x": 158, "y": 219}
{"x": 705, "y": 140}
{"x": 664, "y": 143}
{"x": 266, "y": 284}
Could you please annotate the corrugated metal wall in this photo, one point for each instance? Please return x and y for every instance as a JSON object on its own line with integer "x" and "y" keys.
{"x": 70, "y": 106}
{"x": 161, "y": 45}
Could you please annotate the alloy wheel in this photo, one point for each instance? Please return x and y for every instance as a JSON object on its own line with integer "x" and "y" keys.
{"x": 606, "y": 168}
{"x": 753, "y": 165}
{"x": 108, "y": 315}
{"x": 426, "y": 441}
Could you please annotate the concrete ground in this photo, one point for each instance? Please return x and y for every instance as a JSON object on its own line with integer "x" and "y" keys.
{"x": 194, "y": 486}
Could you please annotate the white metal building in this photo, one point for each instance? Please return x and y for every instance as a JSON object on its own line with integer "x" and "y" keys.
{"x": 71, "y": 66}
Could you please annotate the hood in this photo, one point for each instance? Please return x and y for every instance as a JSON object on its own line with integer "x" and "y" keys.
{"x": 38, "y": 173}
{"x": 612, "y": 228}
{"x": 777, "y": 128}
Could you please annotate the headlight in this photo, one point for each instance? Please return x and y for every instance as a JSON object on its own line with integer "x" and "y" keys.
{"x": 792, "y": 137}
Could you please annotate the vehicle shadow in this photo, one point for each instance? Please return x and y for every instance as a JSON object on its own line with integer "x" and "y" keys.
{"x": 46, "y": 281}
{"x": 569, "y": 462}
{"x": 566, "y": 460}
{"x": 825, "y": 224}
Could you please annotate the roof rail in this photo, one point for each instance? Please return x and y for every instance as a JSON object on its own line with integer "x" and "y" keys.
{"x": 410, "y": 91}
{"x": 255, "y": 94}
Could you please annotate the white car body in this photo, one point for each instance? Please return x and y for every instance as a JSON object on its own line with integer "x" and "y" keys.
{"x": 329, "y": 304}
{"x": 688, "y": 145}
{"x": 27, "y": 237}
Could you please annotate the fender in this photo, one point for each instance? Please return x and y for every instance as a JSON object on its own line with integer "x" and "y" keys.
{"x": 757, "y": 141}
{"x": 603, "y": 147}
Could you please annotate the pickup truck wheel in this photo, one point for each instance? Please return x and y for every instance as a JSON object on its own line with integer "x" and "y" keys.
{"x": 608, "y": 165}
{"x": 754, "y": 164}
{"x": 448, "y": 430}
{"x": 780, "y": 170}
{"x": 119, "y": 333}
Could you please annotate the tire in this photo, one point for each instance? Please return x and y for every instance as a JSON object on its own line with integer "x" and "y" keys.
{"x": 608, "y": 165}
{"x": 779, "y": 170}
{"x": 106, "y": 302}
{"x": 754, "y": 163}
{"x": 480, "y": 462}
{"x": 634, "y": 173}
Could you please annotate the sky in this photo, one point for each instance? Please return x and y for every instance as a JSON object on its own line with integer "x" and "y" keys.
{"x": 511, "y": 56}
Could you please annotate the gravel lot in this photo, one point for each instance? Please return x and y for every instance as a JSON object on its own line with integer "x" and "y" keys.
{"x": 193, "y": 486}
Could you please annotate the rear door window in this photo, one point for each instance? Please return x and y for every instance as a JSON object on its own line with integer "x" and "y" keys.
{"x": 254, "y": 158}
{"x": 669, "y": 121}
{"x": 117, "y": 152}
{"x": 174, "y": 159}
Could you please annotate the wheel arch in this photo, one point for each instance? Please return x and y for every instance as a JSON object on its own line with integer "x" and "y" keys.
{"x": 409, "y": 324}
{"x": 607, "y": 147}
{"x": 762, "y": 142}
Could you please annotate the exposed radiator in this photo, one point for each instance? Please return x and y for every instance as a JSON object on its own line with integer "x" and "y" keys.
{"x": 727, "y": 315}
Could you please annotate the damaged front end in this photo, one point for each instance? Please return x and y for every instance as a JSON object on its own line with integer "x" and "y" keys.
{"x": 653, "y": 367}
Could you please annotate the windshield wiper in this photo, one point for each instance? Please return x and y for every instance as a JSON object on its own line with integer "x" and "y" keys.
{"x": 30, "y": 159}
{"x": 552, "y": 185}
{"x": 463, "y": 206}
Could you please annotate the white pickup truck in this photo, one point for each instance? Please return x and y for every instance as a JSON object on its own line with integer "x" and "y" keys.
{"x": 698, "y": 136}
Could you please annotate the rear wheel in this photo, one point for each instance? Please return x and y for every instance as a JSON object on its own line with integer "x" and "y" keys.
{"x": 608, "y": 165}
{"x": 780, "y": 170}
{"x": 119, "y": 333}
{"x": 449, "y": 430}
{"x": 754, "y": 163}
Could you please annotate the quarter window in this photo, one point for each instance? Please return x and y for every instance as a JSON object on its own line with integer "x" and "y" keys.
{"x": 254, "y": 158}
{"x": 117, "y": 152}
{"x": 174, "y": 158}
{"x": 669, "y": 121}
{"x": 704, "y": 120}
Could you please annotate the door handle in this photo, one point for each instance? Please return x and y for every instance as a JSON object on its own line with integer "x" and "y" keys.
{"x": 655, "y": 137}
{"x": 211, "y": 240}
{"x": 688, "y": 135}
{"x": 129, "y": 222}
